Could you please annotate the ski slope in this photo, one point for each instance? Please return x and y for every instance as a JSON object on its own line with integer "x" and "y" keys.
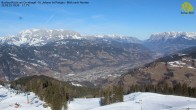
{"x": 9, "y": 98}
{"x": 134, "y": 101}
{"x": 137, "y": 101}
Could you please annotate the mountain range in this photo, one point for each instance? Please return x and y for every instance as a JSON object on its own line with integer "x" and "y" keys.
{"x": 40, "y": 37}
{"x": 163, "y": 43}
{"x": 171, "y": 42}
{"x": 70, "y": 56}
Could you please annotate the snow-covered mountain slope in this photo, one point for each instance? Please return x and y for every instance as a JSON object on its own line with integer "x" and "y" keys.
{"x": 173, "y": 35}
{"x": 39, "y": 37}
{"x": 9, "y": 100}
{"x": 171, "y": 42}
{"x": 137, "y": 101}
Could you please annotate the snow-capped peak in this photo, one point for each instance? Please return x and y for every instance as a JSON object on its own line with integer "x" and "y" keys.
{"x": 113, "y": 36}
{"x": 40, "y": 36}
{"x": 120, "y": 38}
{"x": 110, "y": 36}
{"x": 173, "y": 35}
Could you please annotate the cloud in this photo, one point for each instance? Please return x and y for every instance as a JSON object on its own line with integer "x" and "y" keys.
{"x": 98, "y": 17}
{"x": 49, "y": 19}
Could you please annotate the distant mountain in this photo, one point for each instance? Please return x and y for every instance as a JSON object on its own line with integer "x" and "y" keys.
{"x": 118, "y": 38}
{"x": 40, "y": 37}
{"x": 69, "y": 56}
{"x": 172, "y": 69}
{"x": 171, "y": 42}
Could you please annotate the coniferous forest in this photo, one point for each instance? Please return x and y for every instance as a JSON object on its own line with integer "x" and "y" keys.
{"x": 177, "y": 89}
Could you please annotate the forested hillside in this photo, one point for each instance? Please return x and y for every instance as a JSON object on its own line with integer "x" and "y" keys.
{"x": 56, "y": 93}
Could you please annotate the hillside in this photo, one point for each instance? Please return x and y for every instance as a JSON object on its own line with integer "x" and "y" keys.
{"x": 172, "y": 69}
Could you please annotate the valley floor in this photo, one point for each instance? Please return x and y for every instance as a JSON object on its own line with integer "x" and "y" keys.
{"x": 134, "y": 101}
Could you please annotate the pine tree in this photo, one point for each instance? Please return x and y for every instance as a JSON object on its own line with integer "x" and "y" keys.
{"x": 185, "y": 90}
{"x": 193, "y": 63}
{"x": 117, "y": 95}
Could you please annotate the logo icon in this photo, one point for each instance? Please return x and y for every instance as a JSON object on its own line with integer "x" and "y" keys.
{"x": 187, "y": 8}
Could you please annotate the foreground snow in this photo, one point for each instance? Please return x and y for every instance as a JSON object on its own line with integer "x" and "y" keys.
{"x": 9, "y": 98}
{"x": 134, "y": 101}
{"x": 137, "y": 101}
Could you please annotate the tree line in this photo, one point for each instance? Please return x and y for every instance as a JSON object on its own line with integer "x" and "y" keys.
{"x": 177, "y": 89}
{"x": 111, "y": 95}
{"x": 115, "y": 93}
